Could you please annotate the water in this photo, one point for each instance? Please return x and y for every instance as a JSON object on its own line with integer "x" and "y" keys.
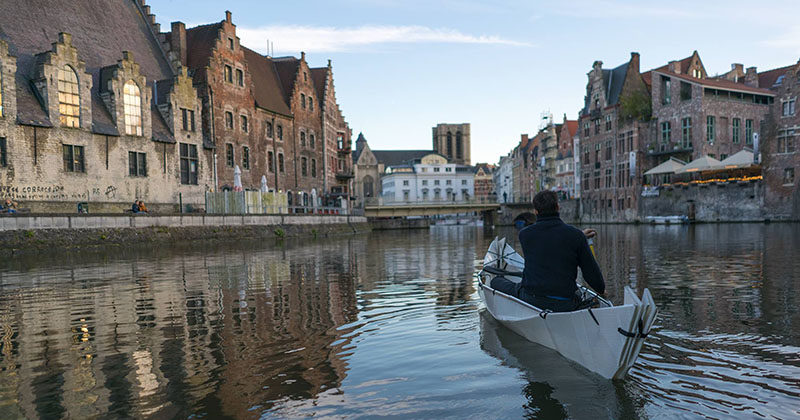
{"x": 390, "y": 325}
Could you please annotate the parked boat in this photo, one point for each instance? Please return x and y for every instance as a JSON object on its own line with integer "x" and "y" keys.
{"x": 667, "y": 220}
{"x": 603, "y": 338}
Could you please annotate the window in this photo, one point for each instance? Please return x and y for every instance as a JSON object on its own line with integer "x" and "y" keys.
{"x": 621, "y": 144}
{"x": 666, "y": 132}
{"x": 630, "y": 140}
{"x": 596, "y": 179}
{"x": 405, "y": 182}
{"x": 312, "y": 142}
{"x": 586, "y": 155}
{"x": 748, "y": 131}
{"x": 304, "y": 166}
{"x": 736, "y": 126}
{"x": 229, "y": 155}
{"x": 188, "y": 164}
{"x": 585, "y": 183}
{"x": 435, "y": 169}
{"x": 788, "y": 176}
{"x": 608, "y": 178}
{"x": 608, "y": 122}
{"x": 788, "y": 107}
{"x": 187, "y": 117}
{"x": 463, "y": 182}
{"x": 3, "y": 152}
{"x": 313, "y": 168}
{"x": 303, "y": 100}
{"x": 239, "y": 77}
{"x": 436, "y": 182}
{"x": 69, "y": 101}
{"x": 269, "y": 129}
{"x": 696, "y": 73}
{"x": 686, "y": 91}
{"x": 280, "y": 132}
{"x": 271, "y": 161}
{"x": 303, "y": 138}
{"x": 424, "y": 182}
{"x": 310, "y": 103}
{"x": 305, "y": 76}
{"x": 686, "y": 132}
{"x": 406, "y": 193}
{"x": 608, "y": 149}
{"x": 448, "y": 169}
{"x": 448, "y": 182}
{"x": 245, "y": 157}
{"x": 666, "y": 90}
{"x": 280, "y": 163}
{"x": 229, "y": 120}
{"x": 723, "y": 156}
{"x": 710, "y": 130}
{"x": 137, "y": 164}
{"x": 228, "y": 74}
{"x": 243, "y": 119}
{"x": 73, "y": 158}
{"x": 586, "y": 129}
{"x": 597, "y": 153}
{"x": 230, "y": 43}
{"x": 786, "y": 141}
{"x": 597, "y": 126}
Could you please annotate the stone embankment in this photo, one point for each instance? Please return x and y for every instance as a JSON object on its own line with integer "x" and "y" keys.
{"x": 42, "y": 233}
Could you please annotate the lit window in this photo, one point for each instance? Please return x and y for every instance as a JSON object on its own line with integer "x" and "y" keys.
{"x": 69, "y": 101}
{"x": 132, "y": 101}
{"x": 228, "y": 74}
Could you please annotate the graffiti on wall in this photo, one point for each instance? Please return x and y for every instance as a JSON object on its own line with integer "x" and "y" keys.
{"x": 54, "y": 193}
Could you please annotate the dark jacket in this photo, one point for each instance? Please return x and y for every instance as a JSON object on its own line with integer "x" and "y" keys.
{"x": 553, "y": 252}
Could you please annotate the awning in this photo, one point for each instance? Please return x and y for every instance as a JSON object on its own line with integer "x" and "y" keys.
{"x": 704, "y": 163}
{"x": 740, "y": 159}
{"x": 671, "y": 166}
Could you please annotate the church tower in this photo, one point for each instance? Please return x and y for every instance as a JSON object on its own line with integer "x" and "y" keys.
{"x": 453, "y": 142}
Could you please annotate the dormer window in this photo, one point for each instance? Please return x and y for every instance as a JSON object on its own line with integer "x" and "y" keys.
{"x": 69, "y": 100}
{"x": 696, "y": 73}
{"x": 132, "y": 103}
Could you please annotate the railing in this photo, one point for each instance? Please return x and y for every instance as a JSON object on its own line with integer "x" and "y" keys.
{"x": 380, "y": 201}
{"x": 676, "y": 148}
{"x": 246, "y": 202}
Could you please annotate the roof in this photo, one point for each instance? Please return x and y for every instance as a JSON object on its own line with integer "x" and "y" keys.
{"x": 613, "y": 80}
{"x": 287, "y": 74}
{"x": 702, "y": 163}
{"x": 200, "y": 42}
{"x": 266, "y": 85}
{"x": 320, "y": 75}
{"x": 668, "y": 167}
{"x": 398, "y": 157}
{"x": 767, "y": 79}
{"x": 647, "y": 76}
{"x": 100, "y": 31}
{"x": 572, "y": 126}
{"x": 721, "y": 84}
{"x": 360, "y": 142}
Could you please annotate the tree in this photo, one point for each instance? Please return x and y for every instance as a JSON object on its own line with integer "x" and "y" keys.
{"x": 636, "y": 106}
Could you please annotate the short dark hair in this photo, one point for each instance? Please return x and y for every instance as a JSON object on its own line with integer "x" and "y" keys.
{"x": 546, "y": 203}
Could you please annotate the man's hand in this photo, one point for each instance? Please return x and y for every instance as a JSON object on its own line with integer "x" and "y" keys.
{"x": 589, "y": 233}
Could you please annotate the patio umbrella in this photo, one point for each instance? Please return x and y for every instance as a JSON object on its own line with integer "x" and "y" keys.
{"x": 237, "y": 178}
{"x": 264, "y": 187}
{"x": 740, "y": 159}
{"x": 668, "y": 167}
{"x": 704, "y": 163}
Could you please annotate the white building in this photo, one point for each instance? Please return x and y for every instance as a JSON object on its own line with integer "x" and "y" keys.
{"x": 429, "y": 179}
{"x": 504, "y": 180}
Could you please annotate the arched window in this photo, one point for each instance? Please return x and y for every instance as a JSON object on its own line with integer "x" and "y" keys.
{"x": 69, "y": 100}
{"x": 459, "y": 146}
{"x": 368, "y": 185}
{"x": 449, "y": 145}
{"x": 132, "y": 101}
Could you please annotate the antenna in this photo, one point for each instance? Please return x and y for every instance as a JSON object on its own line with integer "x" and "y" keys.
{"x": 268, "y": 54}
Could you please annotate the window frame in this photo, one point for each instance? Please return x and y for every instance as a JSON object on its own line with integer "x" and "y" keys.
{"x": 132, "y": 108}
{"x": 711, "y": 127}
{"x": 71, "y": 164}
{"x": 69, "y": 119}
{"x": 137, "y": 164}
{"x": 245, "y": 158}
{"x": 189, "y": 159}
{"x": 229, "y": 155}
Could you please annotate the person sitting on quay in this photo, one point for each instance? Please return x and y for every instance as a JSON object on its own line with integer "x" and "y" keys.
{"x": 553, "y": 252}
{"x": 10, "y": 206}
{"x": 142, "y": 208}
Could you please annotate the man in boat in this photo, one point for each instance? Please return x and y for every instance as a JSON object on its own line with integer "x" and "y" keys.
{"x": 553, "y": 252}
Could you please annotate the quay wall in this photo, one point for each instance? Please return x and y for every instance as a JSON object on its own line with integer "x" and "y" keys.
{"x": 710, "y": 202}
{"x": 43, "y": 233}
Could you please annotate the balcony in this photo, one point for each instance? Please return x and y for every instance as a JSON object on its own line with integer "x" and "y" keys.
{"x": 667, "y": 149}
{"x": 595, "y": 113}
{"x": 344, "y": 151}
{"x": 344, "y": 174}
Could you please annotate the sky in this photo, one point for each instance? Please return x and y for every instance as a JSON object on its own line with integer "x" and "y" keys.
{"x": 403, "y": 66}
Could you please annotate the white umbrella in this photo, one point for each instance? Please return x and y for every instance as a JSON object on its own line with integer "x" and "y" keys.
{"x": 741, "y": 159}
{"x": 314, "y": 198}
{"x": 237, "y": 178}
{"x": 704, "y": 163}
{"x": 264, "y": 187}
{"x": 668, "y": 167}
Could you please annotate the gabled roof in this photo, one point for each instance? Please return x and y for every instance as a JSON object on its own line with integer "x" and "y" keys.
{"x": 398, "y": 157}
{"x": 767, "y": 79}
{"x": 572, "y": 126}
{"x": 200, "y": 42}
{"x": 287, "y": 74}
{"x": 266, "y": 85}
{"x": 361, "y": 142}
{"x": 100, "y": 32}
{"x": 320, "y": 75}
{"x": 613, "y": 80}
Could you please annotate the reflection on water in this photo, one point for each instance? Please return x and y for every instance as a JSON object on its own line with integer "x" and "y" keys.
{"x": 390, "y": 324}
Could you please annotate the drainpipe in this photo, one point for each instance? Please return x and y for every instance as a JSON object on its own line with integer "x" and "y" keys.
{"x": 213, "y": 138}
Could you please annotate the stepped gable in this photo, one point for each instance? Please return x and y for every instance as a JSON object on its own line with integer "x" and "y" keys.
{"x": 266, "y": 85}
{"x": 101, "y": 30}
{"x": 287, "y": 74}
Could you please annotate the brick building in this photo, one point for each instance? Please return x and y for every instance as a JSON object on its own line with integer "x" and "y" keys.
{"x": 339, "y": 173}
{"x": 99, "y": 122}
{"x": 565, "y": 158}
{"x": 779, "y": 148}
{"x": 525, "y": 158}
{"x": 484, "y": 182}
{"x": 612, "y": 128}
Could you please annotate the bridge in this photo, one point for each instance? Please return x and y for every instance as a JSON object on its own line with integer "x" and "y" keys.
{"x": 433, "y": 208}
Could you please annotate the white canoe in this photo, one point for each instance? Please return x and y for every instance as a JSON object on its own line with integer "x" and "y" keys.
{"x": 605, "y": 339}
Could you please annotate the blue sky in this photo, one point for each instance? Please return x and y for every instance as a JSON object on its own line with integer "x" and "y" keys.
{"x": 402, "y": 66}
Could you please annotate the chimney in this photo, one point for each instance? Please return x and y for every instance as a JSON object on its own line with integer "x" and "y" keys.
{"x": 634, "y": 63}
{"x": 178, "y": 41}
{"x": 675, "y": 67}
{"x": 751, "y": 77}
{"x": 302, "y": 55}
{"x": 524, "y": 138}
{"x": 228, "y": 16}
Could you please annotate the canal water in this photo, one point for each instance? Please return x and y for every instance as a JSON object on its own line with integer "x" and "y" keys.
{"x": 390, "y": 325}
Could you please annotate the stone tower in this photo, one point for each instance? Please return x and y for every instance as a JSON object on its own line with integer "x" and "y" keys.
{"x": 453, "y": 142}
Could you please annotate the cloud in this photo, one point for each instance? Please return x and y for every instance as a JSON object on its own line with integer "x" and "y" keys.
{"x": 292, "y": 38}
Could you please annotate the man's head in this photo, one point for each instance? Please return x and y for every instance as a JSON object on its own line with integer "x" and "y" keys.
{"x": 545, "y": 203}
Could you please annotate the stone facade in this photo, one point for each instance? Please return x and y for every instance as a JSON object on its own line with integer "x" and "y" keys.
{"x": 503, "y": 179}
{"x": 368, "y": 173}
{"x": 453, "y": 142}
